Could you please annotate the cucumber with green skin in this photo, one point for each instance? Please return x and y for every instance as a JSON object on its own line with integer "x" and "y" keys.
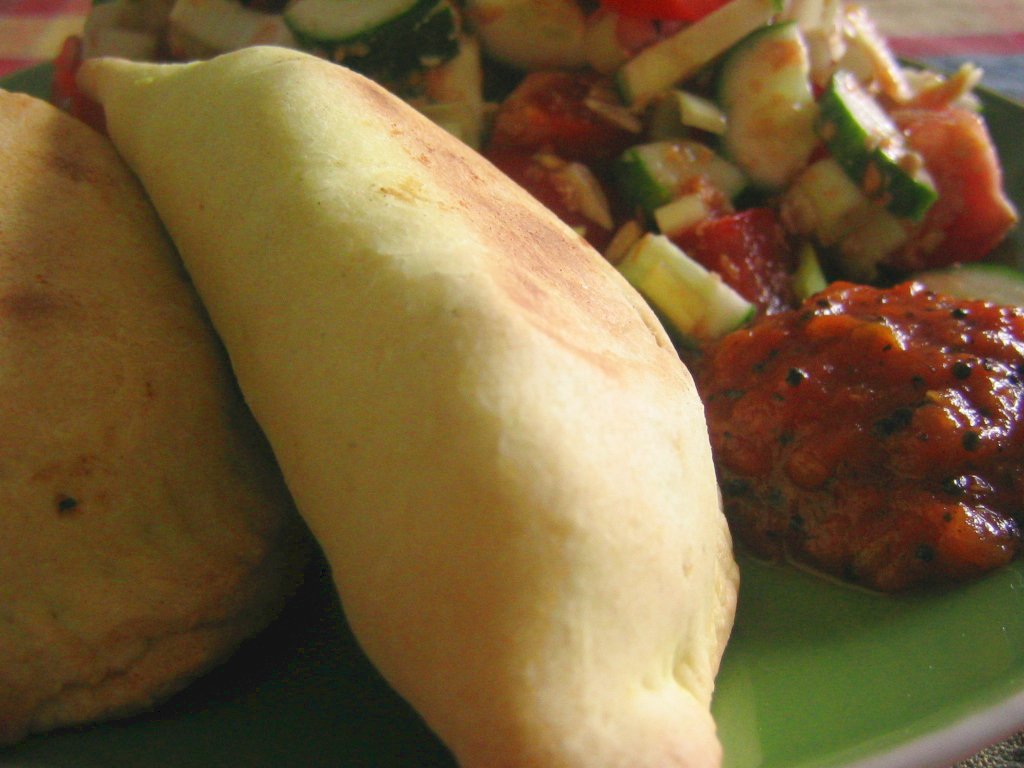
{"x": 385, "y": 39}
{"x": 872, "y": 150}
{"x": 809, "y": 277}
{"x": 670, "y": 61}
{"x": 528, "y": 35}
{"x": 992, "y": 282}
{"x": 765, "y": 91}
{"x": 342, "y": 21}
{"x": 203, "y": 29}
{"x": 824, "y": 203}
{"x": 697, "y": 304}
{"x": 652, "y": 175}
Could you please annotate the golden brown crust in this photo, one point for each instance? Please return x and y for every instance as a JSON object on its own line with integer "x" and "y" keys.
{"x": 145, "y": 528}
{"x": 548, "y": 272}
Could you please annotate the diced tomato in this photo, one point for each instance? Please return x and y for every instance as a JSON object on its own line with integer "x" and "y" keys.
{"x": 561, "y": 112}
{"x": 681, "y": 10}
{"x": 972, "y": 214}
{"x": 540, "y": 177}
{"x": 65, "y": 87}
{"x": 749, "y": 250}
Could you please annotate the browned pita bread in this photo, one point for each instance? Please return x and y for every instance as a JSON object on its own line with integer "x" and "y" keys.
{"x": 146, "y": 531}
{"x": 486, "y": 428}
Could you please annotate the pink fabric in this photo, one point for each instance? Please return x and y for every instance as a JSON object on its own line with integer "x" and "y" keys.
{"x": 31, "y": 30}
{"x": 960, "y": 45}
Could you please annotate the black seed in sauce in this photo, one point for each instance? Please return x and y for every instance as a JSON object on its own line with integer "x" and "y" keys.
{"x": 924, "y": 553}
{"x": 961, "y": 370}
{"x": 971, "y": 440}
{"x": 894, "y": 422}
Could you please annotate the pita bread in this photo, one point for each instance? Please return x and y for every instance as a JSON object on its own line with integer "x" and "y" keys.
{"x": 485, "y": 427}
{"x": 146, "y": 528}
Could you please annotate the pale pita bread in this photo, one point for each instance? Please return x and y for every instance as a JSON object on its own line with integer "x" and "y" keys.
{"x": 483, "y": 424}
{"x": 146, "y": 530}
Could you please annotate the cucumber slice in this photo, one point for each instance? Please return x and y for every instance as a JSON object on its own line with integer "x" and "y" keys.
{"x": 204, "y": 28}
{"x": 602, "y": 48}
{"x": 652, "y": 175}
{"x": 453, "y": 94}
{"x": 996, "y": 283}
{"x": 674, "y": 59}
{"x": 384, "y": 46}
{"x": 809, "y": 278}
{"x": 765, "y": 91}
{"x": 872, "y": 149}
{"x": 697, "y": 112}
{"x": 681, "y": 214}
{"x": 676, "y": 114}
{"x": 623, "y": 240}
{"x": 822, "y": 202}
{"x": 341, "y": 21}
{"x": 876, "y": 233}
{"x": 693, "y": 300}
{"x": 531, "y": 34}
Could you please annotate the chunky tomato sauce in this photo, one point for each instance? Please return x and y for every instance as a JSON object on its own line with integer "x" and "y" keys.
{"x": 874, "y": 434}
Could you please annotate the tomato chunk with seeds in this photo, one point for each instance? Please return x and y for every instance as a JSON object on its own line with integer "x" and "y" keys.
{"x": 972, "y": 214}
{"x": 564, "y": 193}
{"x": 574, "y": 115}
{"x": 749, "y": 250}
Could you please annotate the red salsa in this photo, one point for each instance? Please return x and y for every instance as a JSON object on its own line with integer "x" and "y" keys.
{"x": 873, "y": 434}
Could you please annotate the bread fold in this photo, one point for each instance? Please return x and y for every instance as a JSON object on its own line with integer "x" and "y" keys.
{"x": 484, "y": 426}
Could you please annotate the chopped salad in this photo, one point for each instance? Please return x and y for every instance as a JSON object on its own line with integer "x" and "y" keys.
{"x": 731, "y": 157}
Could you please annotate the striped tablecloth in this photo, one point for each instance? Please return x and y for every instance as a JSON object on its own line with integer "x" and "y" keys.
{"x": 941, "y": 33}
{"x": 945, "y": 33}
{"x": 31, "y": 31}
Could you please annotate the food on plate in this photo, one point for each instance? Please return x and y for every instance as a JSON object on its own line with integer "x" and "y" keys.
{"x": 874, "y": 434}
{"x": 485, "y": 427}
{"x": 731, "y": 158}
{"x": 741, "y": 156}
{"x": 147, "y": 531}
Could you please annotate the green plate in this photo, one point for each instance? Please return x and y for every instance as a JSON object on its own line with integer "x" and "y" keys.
{"x": 816, "y": 674}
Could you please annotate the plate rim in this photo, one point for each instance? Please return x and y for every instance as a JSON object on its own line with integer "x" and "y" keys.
{"x": 956, "y": 742}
